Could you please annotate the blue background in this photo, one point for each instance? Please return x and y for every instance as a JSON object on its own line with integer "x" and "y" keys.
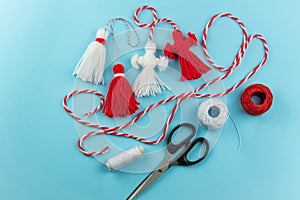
{"x": 41, "y": 41}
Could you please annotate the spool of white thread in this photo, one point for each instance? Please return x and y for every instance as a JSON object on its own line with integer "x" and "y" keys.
{"x": 125, "y": 158}
{"x": 213, "y": 114}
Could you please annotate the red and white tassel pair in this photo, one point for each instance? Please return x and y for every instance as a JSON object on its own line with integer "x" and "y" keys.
{"x": 120, "y": 101}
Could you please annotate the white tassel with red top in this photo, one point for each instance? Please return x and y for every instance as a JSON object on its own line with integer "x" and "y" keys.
{"x": 91, "y": 65}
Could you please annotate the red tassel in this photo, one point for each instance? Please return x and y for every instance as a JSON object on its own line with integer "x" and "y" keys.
{"x": 120, "y": 100}
{"x": 191, "y": 66}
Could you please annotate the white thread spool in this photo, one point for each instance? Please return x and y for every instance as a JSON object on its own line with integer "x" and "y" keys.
{"x": 125, "y": 158}
{"x": 213, "y": 114}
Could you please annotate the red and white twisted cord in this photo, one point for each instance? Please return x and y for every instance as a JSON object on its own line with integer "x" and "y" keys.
{"x": 180, "y": 98}
{"x": 155, "y": 21}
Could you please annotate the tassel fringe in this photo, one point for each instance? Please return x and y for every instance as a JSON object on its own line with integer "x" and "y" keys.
{"x": 91, "y": 65}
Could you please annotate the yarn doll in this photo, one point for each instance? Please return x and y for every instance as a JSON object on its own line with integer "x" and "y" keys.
{"x": 191, "y": 66}
{"x": 148, "y": 83}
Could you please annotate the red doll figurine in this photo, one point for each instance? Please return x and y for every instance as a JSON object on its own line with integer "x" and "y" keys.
{"x": 191, "y": 65}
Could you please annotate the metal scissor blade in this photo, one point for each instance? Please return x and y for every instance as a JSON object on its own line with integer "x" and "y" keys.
{"x": 153, "y": 176}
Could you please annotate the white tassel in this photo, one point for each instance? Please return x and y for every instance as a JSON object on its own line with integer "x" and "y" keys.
{"x": 91, "y": 65}
{"x": 148, "y": 83}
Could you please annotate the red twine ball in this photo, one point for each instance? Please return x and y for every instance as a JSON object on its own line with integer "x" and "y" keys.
{"x": 260, "y": 91}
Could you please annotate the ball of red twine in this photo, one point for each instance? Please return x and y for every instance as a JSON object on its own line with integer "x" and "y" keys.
{"x": 260, "y": 91}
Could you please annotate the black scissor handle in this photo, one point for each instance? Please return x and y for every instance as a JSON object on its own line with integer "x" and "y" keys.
{"x": 173, "y": 148}
{"x": 183, "y": 160}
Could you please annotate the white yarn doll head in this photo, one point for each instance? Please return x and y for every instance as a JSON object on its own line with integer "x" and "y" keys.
{"x": 148, "y": 83}
{"x": 150, "y": 47}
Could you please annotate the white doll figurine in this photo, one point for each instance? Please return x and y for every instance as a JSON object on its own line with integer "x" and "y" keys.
{"x": 148, "y": 83}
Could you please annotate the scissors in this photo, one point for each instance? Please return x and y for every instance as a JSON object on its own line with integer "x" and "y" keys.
{"x": 181, "y": 157}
